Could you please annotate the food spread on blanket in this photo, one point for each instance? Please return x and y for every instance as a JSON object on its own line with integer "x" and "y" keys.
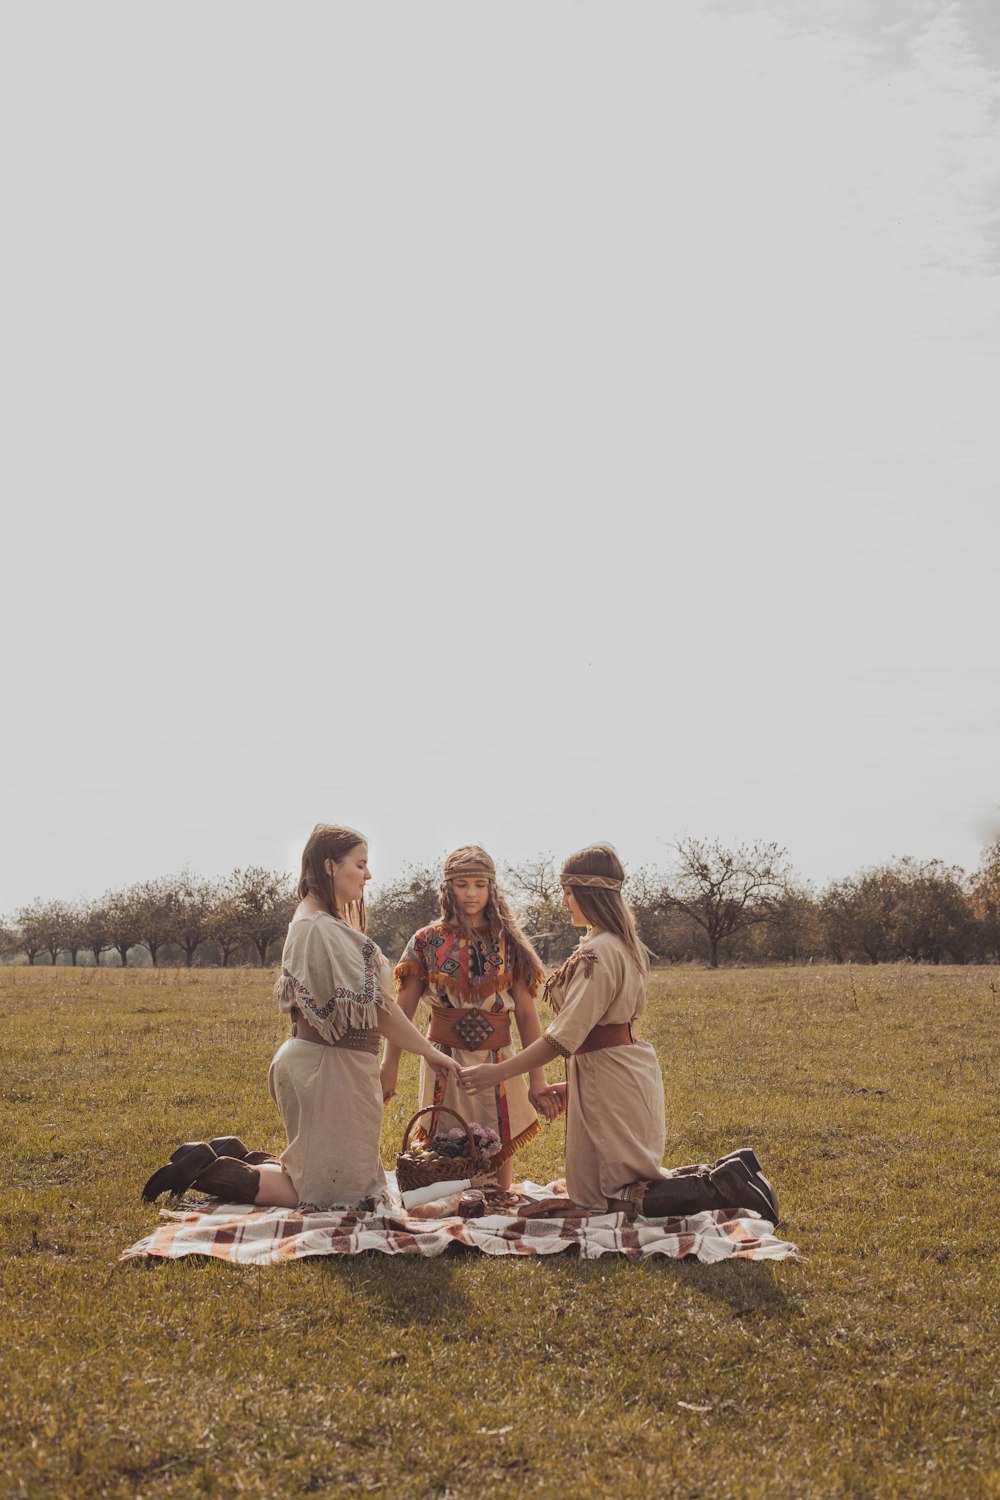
{"x": 449, "y": 1197}
{"x": 438, "y": 1195}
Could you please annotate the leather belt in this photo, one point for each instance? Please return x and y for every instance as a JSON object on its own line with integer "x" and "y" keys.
{"x": 355, "y": 1038}
{"x": 618, "y": 1034}
{"x": 469, "y": 1028}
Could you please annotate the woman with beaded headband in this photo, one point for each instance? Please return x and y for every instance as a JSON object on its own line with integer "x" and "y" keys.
{"x": 615, "y": 1128}
{"x": 334, "y": 985}
{"x": 477, "y": 971}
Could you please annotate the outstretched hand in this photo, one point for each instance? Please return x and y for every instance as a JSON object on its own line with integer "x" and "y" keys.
{"x": 482, "y": 1076}
{"x": 444, "y": 1066}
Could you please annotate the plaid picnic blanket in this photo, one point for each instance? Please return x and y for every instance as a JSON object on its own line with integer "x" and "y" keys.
{"x": 268, "y": 1236}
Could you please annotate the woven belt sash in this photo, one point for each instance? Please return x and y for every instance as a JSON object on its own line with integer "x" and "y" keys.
{"x": 355, "y": 1038}
{"x": 469, "y": 1028}
{"x": 618, "y": 1034}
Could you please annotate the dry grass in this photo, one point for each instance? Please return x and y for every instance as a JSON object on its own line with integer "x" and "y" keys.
{"x": 869, "y": 1368}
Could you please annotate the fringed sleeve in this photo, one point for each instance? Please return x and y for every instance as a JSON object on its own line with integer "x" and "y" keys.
{"x": 413, "y": 962}
{"x": 581, "y": 994}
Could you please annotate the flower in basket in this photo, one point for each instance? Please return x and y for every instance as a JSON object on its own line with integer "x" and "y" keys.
{"x": 456, "y": 1142}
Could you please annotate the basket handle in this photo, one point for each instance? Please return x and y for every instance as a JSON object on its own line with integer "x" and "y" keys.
{"x": 440, "y": 1089}
{"x": 441, "y": 1109}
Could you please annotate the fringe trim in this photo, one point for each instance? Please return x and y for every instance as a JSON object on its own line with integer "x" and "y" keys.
{"x": 563, "y": 975}
{"x": 503, "y": 981}
{"x": 633, "y": 1197}
{"x": 482, "y": 990}
{"x": 508, "y": 1149}
{"x": 406, "y": 970}
{"x": 346, "y": 1015}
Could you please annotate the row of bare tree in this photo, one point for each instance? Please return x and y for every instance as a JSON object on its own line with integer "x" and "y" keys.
{"x": 741, "y": 905}
{"x": 747, "y": 905}
{"x": 177, "y": 918}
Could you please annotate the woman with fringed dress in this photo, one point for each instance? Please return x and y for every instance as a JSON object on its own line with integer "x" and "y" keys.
{"x": 334, "y": 984}
{"x": 478, "y": 972}
{"x": 615, "y": 1126}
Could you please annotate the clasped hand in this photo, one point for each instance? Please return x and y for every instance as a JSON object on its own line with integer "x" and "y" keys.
{"x": 549, "y": 1101}
{"x": 446, "y": 1067}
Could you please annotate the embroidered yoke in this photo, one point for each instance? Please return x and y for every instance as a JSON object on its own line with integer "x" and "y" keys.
{"x": 334, "y": 975}
{"x": 467, "y": 983}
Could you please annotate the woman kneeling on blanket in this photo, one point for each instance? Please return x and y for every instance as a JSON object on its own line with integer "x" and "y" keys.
{"x": 615, "y": 1127}
{"x": 325, "y": 1080}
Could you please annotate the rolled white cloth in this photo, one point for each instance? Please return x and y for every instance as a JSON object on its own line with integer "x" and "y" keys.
{"x": 433, "y": 1191}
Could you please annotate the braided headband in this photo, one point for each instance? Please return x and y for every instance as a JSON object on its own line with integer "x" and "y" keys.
{"x": 601, "y": 882}
{"x": 469, "y": 868}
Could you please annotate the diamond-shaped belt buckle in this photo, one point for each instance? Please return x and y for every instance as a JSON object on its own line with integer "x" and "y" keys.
{"x": 472, "y": 1028}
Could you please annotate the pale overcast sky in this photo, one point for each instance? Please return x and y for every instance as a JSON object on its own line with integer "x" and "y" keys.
{"x": 528, "y": 423}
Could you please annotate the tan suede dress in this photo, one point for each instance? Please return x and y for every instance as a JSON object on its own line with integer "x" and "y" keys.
{"x": 615, "y": 1125}
{"x": 328, "y": 1092}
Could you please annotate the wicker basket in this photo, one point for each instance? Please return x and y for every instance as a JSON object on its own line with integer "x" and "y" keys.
{"x": 417, "y": 1171}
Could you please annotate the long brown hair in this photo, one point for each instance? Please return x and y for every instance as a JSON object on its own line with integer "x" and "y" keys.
{"x": 328, "y": 841}
{"x": 473, "y": 860}
{"x": 605, "y": 908}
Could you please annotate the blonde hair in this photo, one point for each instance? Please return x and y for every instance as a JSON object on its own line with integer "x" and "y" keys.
{"x": 602, "y": 906}
{"x": 471, "y": 860}
{"x": 328, "y": 841}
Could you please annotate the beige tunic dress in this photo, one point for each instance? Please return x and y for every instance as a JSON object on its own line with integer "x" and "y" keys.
{"x": 615, "y": 1126}
{"x": 328, "y": 1093}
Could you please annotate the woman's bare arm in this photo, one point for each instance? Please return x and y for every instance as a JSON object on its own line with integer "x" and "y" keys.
{"x": 487, "y": 1075}
{"x": 529, "y": 1030}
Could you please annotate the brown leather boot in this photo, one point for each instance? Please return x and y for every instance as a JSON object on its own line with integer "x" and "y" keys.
{"x": 731, "y": 1184}
{"x": 678, "y": 1197}
{"x": 745, "y": 1188}
{"x": 180, "y": 1171}
{"x": 227, "y": 1145}
{"x": 744, "y": 1154}
{"x": 230, "y": 1179}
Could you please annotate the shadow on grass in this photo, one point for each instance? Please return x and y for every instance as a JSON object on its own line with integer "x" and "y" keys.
{"x": 748, "y": 1289}
{"x": 403, "y": 1290}
{"x": 395, "y": 1289}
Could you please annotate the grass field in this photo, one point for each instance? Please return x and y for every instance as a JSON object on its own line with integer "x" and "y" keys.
{"x": 867, "y": 1368}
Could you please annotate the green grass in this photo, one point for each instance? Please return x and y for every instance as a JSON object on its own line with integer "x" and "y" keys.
{"x": 867, "y": 1368}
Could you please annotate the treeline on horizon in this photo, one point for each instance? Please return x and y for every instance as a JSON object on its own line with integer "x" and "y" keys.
{"x": 715, "y": 904}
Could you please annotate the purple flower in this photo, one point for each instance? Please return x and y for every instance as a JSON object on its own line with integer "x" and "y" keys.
{"x": 455, "y": 1143}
